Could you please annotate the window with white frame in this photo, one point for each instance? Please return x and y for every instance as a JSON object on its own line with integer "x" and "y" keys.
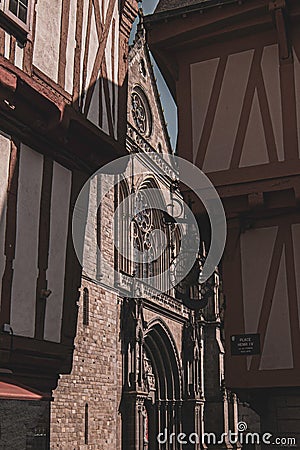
{"x": 16, "y": 16}
{"x": 19, "y": 8}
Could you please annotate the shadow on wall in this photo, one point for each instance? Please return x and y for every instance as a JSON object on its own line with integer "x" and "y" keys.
{"x": 24, "y": 424}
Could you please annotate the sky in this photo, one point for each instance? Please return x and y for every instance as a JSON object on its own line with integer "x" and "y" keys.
{"x": 167, "y": 101}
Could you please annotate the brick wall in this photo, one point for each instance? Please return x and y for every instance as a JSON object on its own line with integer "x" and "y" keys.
{"x": 94, "y": 380}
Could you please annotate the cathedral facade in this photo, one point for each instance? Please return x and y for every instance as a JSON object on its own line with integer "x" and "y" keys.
{"x": 146, "y": 369}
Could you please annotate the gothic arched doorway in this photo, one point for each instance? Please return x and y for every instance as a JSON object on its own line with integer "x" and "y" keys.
{"x": 152, "y": 389}
{"x": 163, "y": 404}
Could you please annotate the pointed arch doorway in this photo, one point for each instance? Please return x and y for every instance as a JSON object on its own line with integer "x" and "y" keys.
{"x": 164, "y": 402}
{"x": 156, "y": 404}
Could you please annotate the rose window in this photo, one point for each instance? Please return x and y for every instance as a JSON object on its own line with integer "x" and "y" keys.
{"x": 141, "y": 112}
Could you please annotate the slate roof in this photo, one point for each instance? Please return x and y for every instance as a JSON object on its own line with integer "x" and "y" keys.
{"x": 167, "y": 5}
{"x": 173, "y": 7}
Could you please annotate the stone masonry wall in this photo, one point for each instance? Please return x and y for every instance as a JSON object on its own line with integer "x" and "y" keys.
{"x": 95, "y": 380}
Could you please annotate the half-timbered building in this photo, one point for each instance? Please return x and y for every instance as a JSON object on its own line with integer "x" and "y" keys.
{"x": 233, "y": 67}
{"x": 63, "y": 89}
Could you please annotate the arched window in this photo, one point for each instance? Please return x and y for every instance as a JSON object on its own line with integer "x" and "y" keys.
{"x": 147, "y": 240}
{"x": 85, "y": 306}
{"x": 151, "y": 239}
{"x": 125, "y": 242}
{"x": 86, "y": 424}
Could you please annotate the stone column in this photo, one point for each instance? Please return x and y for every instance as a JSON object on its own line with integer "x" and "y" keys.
{"x": 217, "y": 398}
{"x": 193, "y": 403}
{"x": 192, "y": 421}
{"x": 133, "y": 423}
{"x": 134, "y": 389}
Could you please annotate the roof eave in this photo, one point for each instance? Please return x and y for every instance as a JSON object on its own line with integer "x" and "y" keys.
{"x": 160, "y": 16}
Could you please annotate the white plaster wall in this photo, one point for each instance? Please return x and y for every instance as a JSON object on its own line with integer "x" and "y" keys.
{"x": 255, "y": 150}
{"x": 59, "y": 221}
{"x": 255, "y": 271}
{"x": 19, "y": 56}
{"x": 202, "y": 79}
{"x": 271, "y": 75}
{"x": 19, "y": 51}
{"x": 27, "y": 241}
{"x": 71, "y": 45}
{"x": 93, "y": 113}
{"x": 6, "y": 45}
{"x": 47, "y": 37}
{"x": 228, "y": 112}
{"x": 277, "y": 352}
{"x": 116, "y": 80}
{"x": 4, "y": 173}
{"x": 229, "y": 108}
{"x": 277, "y": 348}
{"x": 93, "y": 47}
{"x": 83, "y": 39}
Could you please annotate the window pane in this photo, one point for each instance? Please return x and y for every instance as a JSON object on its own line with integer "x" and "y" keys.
{"x": 22, "y": 13}
{"x": 19, "y": 8}
{"x": 13, "y": 6}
